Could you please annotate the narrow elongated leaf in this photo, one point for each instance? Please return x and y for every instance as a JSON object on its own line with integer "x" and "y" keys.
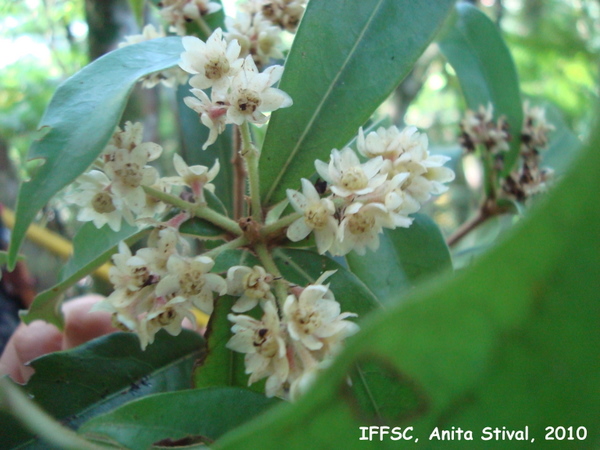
{"x": 96, "y": 377}
{"x": 485, "y": 69}
{"x": 511, "y": 342}
{"x": 405, "y": 257}
{"x": 93, "y": 247}
{"x": 199, "y": 415}
{"x": 80, "y": 120}
{"x": 347, "y": 57}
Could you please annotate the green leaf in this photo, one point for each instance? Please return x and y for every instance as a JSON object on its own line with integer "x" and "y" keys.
{"x": 220, "y": 366}
{"x": 200, "y": 415}
{"x": 137, "y": 8}
{"x": 80, "y": 120}
{"x": 485, "y": 69}
{"x": 94, "y": 378}
{"x": 193, "y": 136}
{"x": 511, "y": 341}
{"x": 347, "y": 57}
{"x": 92, "y": 248}
{"x": 406, "y": 256}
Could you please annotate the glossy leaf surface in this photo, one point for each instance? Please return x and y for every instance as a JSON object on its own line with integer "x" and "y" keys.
{"x": 405, "y": 257}
{"x": 96, "y": 377}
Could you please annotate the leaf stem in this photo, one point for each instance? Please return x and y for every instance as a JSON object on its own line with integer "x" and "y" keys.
{"x": 200, "y": 211}
{"x": 269, "y": 264}
{"x": 231, "y": 245}
{"x": 250, "y": 153}
{"x": 487, "y": 210}
{"x": 206, "y": 29}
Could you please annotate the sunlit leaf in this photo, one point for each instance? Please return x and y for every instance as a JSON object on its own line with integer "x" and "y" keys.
{"x": 405, "y": 257}
{"x": 347, "y": 57}
{"x": 510, "y": 342}
{"x": 485, "y": 69}
{"x": 80, "y": 120}
{"x": 78, "y": 384}
{"x": 196, "y": 416}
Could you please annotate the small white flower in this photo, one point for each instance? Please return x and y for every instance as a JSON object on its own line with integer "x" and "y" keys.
{"x": 317, "y": 217}
{"x": 315, "y": 315}
{"x": 390, "y": 142}
{"x": 213, "y": 113}
{"x": 190, "y": 278}
{"x": 263, "y": 341}
{"x": 252, "y": 284}
{"x": 196, "y": 177}
{"x": 97, "y": 202}
{"x": 179, "y": 12}
{"x": 360, "y": 228}
{"x": 211, "y": 63}
{"x": 129, "y": 272}
{"x": 347, "y": 176}
{"x": 257, "y": 37}
{"x": 251, "y": 96}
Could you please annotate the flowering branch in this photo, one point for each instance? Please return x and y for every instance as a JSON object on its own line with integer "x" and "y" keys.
{"x": 279, "y": 224}
{"x": 200, "y": 211}
{"x": 239, "y": 241}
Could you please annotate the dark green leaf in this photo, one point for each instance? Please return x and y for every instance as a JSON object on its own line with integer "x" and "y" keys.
{"x": 220, "y": 366}
{"x": 346, "y": 59}
{"x": 202, "y": 415}
{"x": 92, "y": 248}
{"x": 405, "y": 257}
{"x": 510, "y": 342}
{"x": 96, "y": 377}
{"x": 80, "y": 120}
{"x": 485, "y": 69}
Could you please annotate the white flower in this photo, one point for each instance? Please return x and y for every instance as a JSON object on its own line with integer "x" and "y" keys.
{"x": 360, "y": 228}
{"x": 190, "y": 278}
{"x": 257, "y": 37}
{"x": 179, "y": 12}
{"x": 211, "y": 63}
{"x": 250, "y": 94}
{"x": 264, "y": 344}
{"x": 347, "y": 176}
{"x": 390, "y": 143}
{"x": 315, "y": 315}
{"x": 128, "y": 172}
{"x": 252, "y": 284}
{"x": 479, "y": 128}
{"x": 162, "y": 244}
{"x": 129, "y": 272}
{"x": 213, "y": 113}
{"x": 196, "y": 177}
{"x": 317, "y": 216}
{"x": 97, "y": 202}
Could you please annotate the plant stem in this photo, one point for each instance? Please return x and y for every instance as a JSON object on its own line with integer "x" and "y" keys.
{"x": 200, "y": 211}
{"x": 231, "y": 245}
{"x": 251, "y": 155}
{"x": 487, "y": 210}
{"x": 239, "y": 176}
{"x": 204, "y": 27}
{"x": 269, "y": 264}
{"x": 279, "y": 224}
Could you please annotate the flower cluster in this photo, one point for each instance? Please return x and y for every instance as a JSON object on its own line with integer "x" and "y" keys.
{"x": 530, "y": 179}
{"x": 114, "y": 189}
{"x": 177, "y": 13}
{"x": 398, "y": 177}
{"x": 480, "y": 129}
{"x": 159, "y": 286}
{"x": 291, "y": 348}
{"x": 239, "y": 92}
{"x": 258, "y": 27}
{"x": 168, "y": 77}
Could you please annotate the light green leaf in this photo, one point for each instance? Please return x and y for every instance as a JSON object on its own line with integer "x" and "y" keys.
{"x": 485, "y": 69}
{"x": 137, "y": 8}
{"x": 512, "y": 341}
{"x": 80, "y": 120}
{"x": 73, "y": 385}
{"x": 199, "y": 415}
{"x": 405, "y": 257}
{"x": 347, "y": 57}
{"x": 92, "y": 248}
